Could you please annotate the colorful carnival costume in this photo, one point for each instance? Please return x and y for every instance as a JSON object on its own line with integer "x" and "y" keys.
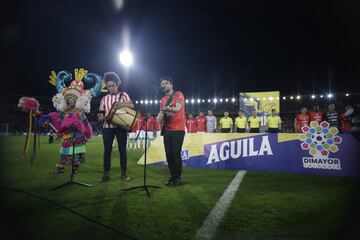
{"x": 69, "y": 121}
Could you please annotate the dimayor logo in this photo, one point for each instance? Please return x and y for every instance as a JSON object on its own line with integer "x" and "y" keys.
{"x": 320, "y": 141}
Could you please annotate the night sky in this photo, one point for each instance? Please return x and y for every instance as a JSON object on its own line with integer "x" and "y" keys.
{"x": 209, "y": 47}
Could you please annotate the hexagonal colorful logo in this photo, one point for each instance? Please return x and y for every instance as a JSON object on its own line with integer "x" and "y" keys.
{"x": 320, "y": 139}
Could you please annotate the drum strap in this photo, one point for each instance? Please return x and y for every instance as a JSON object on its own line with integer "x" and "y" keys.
{"x": 110, "y": 114}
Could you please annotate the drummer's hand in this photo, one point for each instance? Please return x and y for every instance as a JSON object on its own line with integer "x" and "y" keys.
{"x": 117, "y": 105}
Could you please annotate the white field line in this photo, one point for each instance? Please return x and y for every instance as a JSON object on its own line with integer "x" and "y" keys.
{"x": 208, "y": 229}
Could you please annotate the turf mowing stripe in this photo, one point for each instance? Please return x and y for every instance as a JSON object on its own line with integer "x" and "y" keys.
{"x": 208, "y": 229}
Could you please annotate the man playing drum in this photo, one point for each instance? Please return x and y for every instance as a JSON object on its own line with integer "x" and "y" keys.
{"x": 108, "y": 106}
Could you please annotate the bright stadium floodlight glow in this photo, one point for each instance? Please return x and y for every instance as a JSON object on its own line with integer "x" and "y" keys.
{"x": 221, "y": 99}
{"x": 146, "y": 101}
{"x": 291, "y": 97}
{"x": 329, "y": 95}
{"x": 141, "y": 102}
{"x": 186, "y": 101}
{"x": 203, "y": 100}
{"x": 151, "y": 101}
{"x": 156, "y": 101}
{"x": 126, "y": 58}
{"x": 347, "y": 94}
{"x": 313, "y": 96}
{"x": 226, "y": 100}
{"x": 298, "y": 97}
{"x": 198, "y": 101}
{"x": 215, "y": 100}
{"x": 251, "y": 99}
{"x": 284, "y": 98}
{"x": 271, "y": 98}
{"x": 209, "y": 100}
{"x": 192, "y": 100}
{"x": 136, "y": 101}
{"x": 233, "y": 99}
{"x": 321, "y": 96}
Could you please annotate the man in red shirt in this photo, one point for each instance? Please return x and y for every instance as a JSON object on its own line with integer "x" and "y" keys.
{"x": 151, "y": 128}
{"x": 302, "y": 119}
{"x": 140, "y": 133}
{"x": 316, "y": 115}
{"x": 132, "y": 137}
{"x": 201, "y": 122}
{"x": 346, "y": 119}
{"x": 191, "y": 124}
{"x": 172, "y": 119}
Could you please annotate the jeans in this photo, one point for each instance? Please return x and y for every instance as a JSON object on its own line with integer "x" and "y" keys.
{"x": 173, "y": 141}
{"x": 108, "y": 138}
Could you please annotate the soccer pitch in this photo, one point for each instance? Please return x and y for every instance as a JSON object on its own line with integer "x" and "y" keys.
{"x": 266, "y": 205}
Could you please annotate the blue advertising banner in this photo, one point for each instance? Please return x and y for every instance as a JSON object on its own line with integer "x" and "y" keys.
{"x": 318, "y": 150}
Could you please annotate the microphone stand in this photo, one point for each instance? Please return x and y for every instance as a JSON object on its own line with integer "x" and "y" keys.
{"x": 144, "y": 186}
{"x": 72, "y": 181}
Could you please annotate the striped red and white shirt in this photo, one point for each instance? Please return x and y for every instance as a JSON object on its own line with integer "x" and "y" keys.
{"x": 107, "y": 102}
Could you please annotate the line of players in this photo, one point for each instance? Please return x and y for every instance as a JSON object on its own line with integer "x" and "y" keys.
{"x": 252, "y": 124}
{"x": 341, "y": 120}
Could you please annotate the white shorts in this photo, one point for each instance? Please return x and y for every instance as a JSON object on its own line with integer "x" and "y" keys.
{"x": 132, "y": 134}
{"x": 150, "y": 135}
{"x": 142, "y": 134}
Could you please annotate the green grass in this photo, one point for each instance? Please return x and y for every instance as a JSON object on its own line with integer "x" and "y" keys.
{"x": 267, "y": 205}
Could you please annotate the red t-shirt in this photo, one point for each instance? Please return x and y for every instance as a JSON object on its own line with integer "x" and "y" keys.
{"x": 301, "y": 120}
{"x": 345, "y": 123}
{"x": 176, "y": 120}
{"x": 201, "y": 123}
{"x": 316, "y": 116}
{"x": 191, "y": 125}
{"x": 151, "y": 124}
{"x": 139, "y": 125}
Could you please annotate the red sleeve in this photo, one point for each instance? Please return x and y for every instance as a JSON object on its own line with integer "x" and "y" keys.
{"x": 179, "y": 97}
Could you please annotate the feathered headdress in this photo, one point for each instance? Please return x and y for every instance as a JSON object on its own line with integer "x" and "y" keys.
{"x": 76, "y": 89}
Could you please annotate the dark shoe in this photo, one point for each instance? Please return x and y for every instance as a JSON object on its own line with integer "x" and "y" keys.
{"x": 105, "y": 177}
{"x": 168, "y": 182}
{"x": 58, "y": 171}
{"x": 125, "y": 178}
{"x": 175, "y": 183}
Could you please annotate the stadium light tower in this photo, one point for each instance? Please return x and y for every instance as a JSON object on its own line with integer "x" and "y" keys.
{"x": 126, "y": 58}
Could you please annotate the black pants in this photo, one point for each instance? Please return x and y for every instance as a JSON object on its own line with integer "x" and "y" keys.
{"x": 173, "y": 141}
{"x": 225, "y": 130}
{"x": 273, "y": 130}
{"x": 240, "y": 130}
{"x": 254, "y": 130}
{"x": 108, "y": 138}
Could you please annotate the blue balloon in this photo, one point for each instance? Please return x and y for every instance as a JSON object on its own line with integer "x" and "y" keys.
{"x": 93, "y": 80}
{"x": 61, "y": 78}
